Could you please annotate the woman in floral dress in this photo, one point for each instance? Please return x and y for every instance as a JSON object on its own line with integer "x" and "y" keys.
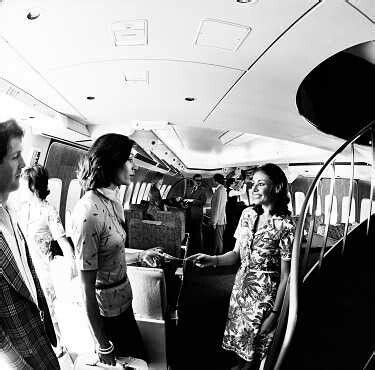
{"x": 264, "y": 237}
{"x": 41, "y": 223}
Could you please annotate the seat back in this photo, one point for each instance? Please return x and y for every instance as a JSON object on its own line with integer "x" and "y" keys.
{"x": 149, "y": 305}
{"x": 146, "y": 234}
{"x": 149, "y": 292}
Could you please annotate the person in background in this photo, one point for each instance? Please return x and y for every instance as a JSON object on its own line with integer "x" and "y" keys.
{"x": 99, "y": 237}
{"x": 264, "y": 239}
{"x": 156, "y": 202}
{"x": 26, "y": 329}
{"x": 197, "y": 198}
{"x": 233, "y": 210}
{"x": 42, "y": 226}
{"x": 218, "y": 216}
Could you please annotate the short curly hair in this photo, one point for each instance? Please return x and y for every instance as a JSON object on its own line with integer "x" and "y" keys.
{"x": 99, "y": 166}
{"x": 8, "y": 130}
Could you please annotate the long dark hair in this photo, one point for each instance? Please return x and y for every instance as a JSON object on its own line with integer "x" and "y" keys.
{"x": 37, "y": 180}
{"x": 99, "y": 166}
{"x": 280, "y": 188}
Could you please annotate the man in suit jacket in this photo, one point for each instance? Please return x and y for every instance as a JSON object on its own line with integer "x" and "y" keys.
{"x": 198, "y": 195}
{"x": 26, "y": 329}
{"x": 218, "y": 215}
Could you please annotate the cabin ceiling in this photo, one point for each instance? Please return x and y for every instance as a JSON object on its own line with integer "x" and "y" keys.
{"x": 247, "y": 83}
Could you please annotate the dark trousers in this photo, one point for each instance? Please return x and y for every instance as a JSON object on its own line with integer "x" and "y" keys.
{"x": 219, "y": 239}
{"x": 195, "y": 244}
{"x": 123, "y": 331}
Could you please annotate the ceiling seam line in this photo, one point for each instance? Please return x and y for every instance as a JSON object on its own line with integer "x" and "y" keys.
{"x": 259, "y": 57}
{"x": 143, "y": 59}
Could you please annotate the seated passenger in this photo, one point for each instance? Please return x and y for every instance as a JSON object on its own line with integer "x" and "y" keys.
{"x": 264, "y": 245}
{"x": 156, "y": 202}
{"x": 99, "y": 237}
{"x": 42, "y": 225}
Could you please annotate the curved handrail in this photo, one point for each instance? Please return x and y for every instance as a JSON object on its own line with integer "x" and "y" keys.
{"x": 294, "y": 271}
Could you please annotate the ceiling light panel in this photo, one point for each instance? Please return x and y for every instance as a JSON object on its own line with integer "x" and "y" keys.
{"x": 130, "y": 33}
{"x": 221, "y": 34}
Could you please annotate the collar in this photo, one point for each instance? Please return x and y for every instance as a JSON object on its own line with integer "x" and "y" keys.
{"x": 111, "y": 194}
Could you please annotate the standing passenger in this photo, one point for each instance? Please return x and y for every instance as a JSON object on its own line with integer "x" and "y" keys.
{"x": 26, "y": 330}
{"x": 99, "y": 237}
{"x": 43, "y": 225}
{"x": 264, "y": 245}
{"x": 198, "y": 195}
{"x": 218, "y": 216}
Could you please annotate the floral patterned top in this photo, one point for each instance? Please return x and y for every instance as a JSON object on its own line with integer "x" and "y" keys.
{"x": 42, "y": 224}
{"x": 272, "y": 242}
{"x": 99, "y": 238}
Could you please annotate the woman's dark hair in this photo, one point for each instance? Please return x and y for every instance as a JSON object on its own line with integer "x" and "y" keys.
{"x": 8, "y": 130}
{"x": 219, "y": 178}
{"x": 156, "y": 177}
{"x": 99, "y": 166}
{"x": 37, "y": 180}
{"x": 280, "y": 188}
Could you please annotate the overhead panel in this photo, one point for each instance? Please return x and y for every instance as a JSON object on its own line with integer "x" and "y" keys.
{"x": 365, "y": 7}
{"x": 221, "y": 34}
{"x": 129, "y": 33}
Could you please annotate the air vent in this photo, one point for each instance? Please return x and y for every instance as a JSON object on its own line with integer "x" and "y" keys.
{"x": 130, "y": 33}
{"x": 221, "y": 34}
{"x": 137, "y": 78}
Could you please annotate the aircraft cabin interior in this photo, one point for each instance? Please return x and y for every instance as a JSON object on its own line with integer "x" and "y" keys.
{"x": 206, "y": 88}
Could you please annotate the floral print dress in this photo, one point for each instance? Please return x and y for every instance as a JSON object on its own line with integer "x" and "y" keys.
{"x": 42, "y": 224}
{"x": 256, "y": 282}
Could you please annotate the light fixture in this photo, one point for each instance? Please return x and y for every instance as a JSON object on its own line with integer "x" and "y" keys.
{"x": 189, "y": 98}
{"x": 33, "y": 14}
{"x": 90, "y": 97}
{"x": 247, "y": 1}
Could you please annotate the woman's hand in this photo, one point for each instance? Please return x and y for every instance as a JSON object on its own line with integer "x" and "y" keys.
{"x": 202, "y": 260}
{"x": 269, "y": 323}
{"x": 152, "y": 257}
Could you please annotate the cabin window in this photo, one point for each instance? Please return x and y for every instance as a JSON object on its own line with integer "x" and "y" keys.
{"x": 345, "y": 209}
{"x": 147, "y": 190}
{"x": 128, "y": 195}
{"x": 365, "y": 208}
{"x": 162, "y": 190}
{"x": 333, "y": 220}
{"x": 54, "y": 197}
{"x": 121, "y": 193}
{"x": 299, "y": 198}
{"x": 135, "y": 193}
{"x": 74, "y": 193}
{"x": 318, "y": 209}
{"x": 141, "y": 192}
{"x": 166, "y": 191}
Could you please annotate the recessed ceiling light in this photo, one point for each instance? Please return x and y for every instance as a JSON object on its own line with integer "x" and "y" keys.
{"x": 247, "y": 1}
{"x": 33, "y": 14}
{"x": 90, "y": 97}
{"x": 189, "y": 98}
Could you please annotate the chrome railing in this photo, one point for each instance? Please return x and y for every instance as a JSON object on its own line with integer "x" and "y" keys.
{"x": 289, "y": 313}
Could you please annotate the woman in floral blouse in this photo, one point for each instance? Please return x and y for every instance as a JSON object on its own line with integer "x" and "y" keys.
{"x": 264, "y": 237}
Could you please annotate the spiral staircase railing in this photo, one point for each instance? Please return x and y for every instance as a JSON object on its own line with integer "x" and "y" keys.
{"x": 289, "y": 312}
